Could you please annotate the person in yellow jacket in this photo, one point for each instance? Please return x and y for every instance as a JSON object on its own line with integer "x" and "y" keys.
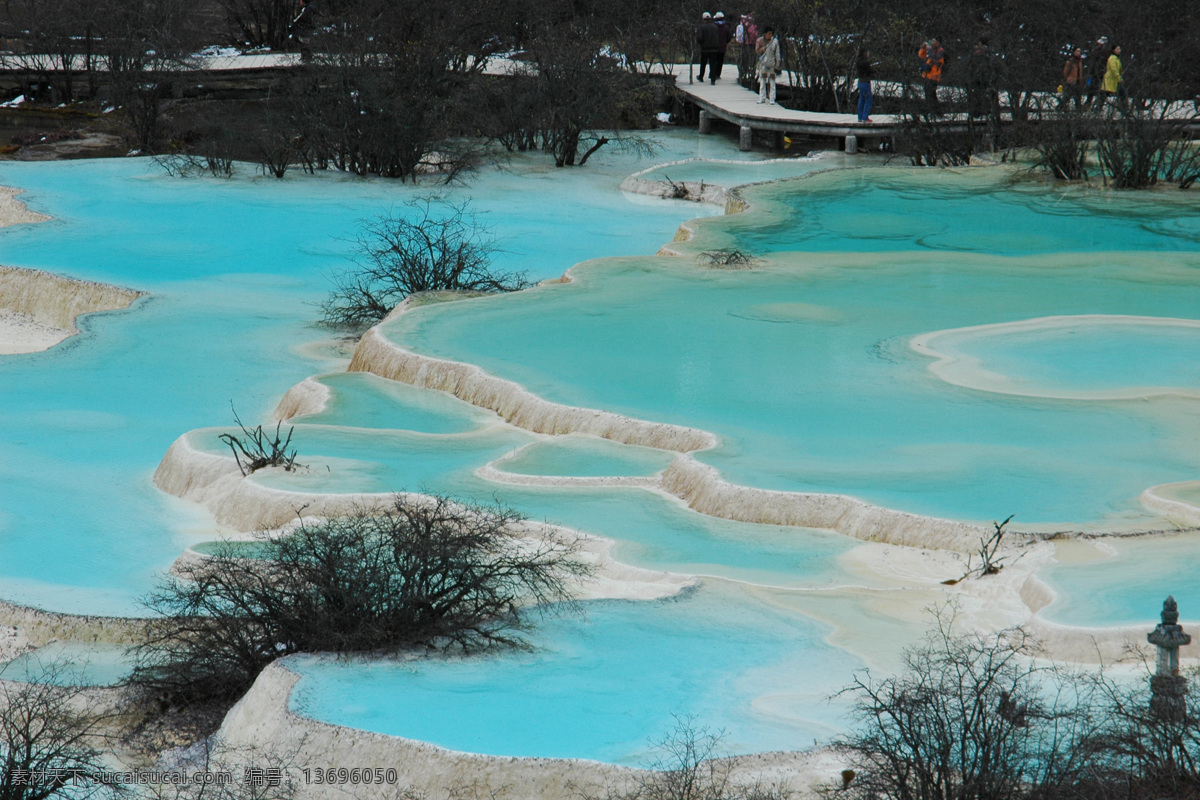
{"x": 1114, "y": 81}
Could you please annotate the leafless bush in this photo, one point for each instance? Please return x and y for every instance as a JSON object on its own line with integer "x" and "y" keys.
{"x": 430, "y": 572}
{"x": 49, "y": 737}
{"x": 438, "y": 246}
{"x": 728, "y": 259}
{"x": 930, "y": 144}
{"x": 256, "y": 449}
{"x": 1063, "y": 143}
{"x": 690, "y": 766}
{"x": 190, "y": 165}
{"x": 679, "y": 191}
{"x": 972, "y": 716}
{"x": 1140, "y": 146}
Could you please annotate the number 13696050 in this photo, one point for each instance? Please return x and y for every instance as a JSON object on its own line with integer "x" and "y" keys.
{"x": 351, "y": 775}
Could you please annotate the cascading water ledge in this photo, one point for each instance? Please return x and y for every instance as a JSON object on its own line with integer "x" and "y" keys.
{"x": 307, "y": 397}
{"x": 244, "y": 504}
{"x": 377, "y": 354}
{"x": 704, "y": 490}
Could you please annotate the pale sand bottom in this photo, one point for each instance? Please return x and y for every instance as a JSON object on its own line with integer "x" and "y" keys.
{"x": 21, "y": 333}
{"x": 14, "y": 211}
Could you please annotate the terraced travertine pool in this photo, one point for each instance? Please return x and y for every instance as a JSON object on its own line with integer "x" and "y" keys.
{"x": 964, "y": 345}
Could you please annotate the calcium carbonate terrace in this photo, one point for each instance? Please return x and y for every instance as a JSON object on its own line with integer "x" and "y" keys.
{"x": 777, "y": 466}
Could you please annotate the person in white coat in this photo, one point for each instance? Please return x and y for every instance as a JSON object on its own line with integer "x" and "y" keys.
{"x": 769, "y": 62}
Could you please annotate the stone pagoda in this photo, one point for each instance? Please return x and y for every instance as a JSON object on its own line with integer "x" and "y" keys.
{"x": 1168, "y": 689}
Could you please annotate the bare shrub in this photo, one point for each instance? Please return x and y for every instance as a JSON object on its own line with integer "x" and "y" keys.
{"x": 689, "y": 765}
{"x": 439, "y": 245}
{"x": 1138, "y": 147}
{"x": 678, "y": 191}
{"x": 972, "y": 716}
{"x": 211, "y": 161}
{"x": 256, "y": 449}
{"x": 425, "y": 571}
{"x": 49, "y": 738}
{"x": 928, "y": 139}
{"x": 728, "y": 259}
{"x": 1062, "y": 144}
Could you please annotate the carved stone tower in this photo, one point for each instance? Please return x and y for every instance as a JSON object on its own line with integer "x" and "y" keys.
{"x": 1168, "y": 689}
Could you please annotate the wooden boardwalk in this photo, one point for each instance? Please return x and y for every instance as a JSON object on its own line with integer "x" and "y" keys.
{"x": 731, "y": 102}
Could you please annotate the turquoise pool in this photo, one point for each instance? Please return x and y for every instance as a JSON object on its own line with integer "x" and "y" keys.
{"x": 233, "y": 270}
{"x": 804, "y": 367}
{"x": 599, "y": 688}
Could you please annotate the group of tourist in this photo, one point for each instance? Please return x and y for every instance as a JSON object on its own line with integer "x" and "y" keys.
{"x": 1099, "y": 73}
{"x": 759, "y": 58}
{"x": 758, "y": 53}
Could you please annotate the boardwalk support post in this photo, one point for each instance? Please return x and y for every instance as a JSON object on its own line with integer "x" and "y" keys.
{"x": 745, "y": 138}
{"x": 705, "y": 121}
{"x": 851, "y": 144}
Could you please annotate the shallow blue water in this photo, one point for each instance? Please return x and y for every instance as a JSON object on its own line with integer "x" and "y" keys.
{"x": 585, "y": 456}
{"x": 71, "y": 664}
{"x": 965, "y": 211}
{"x": 604, "y": 686}
{"x": 234, "y": 270}
{"x": 801, "y": 365}
{"x": 363, "y": 400}
{"x": 648, "y": 529}
{"x": 803, "y": 368}
{"x": 1099, "y": 356}
{"x": 1129, "y": 586}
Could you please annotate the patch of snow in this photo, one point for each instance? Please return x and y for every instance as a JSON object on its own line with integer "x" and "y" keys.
{"x": 16, "y": 101}
{"x": 216, "y": 51}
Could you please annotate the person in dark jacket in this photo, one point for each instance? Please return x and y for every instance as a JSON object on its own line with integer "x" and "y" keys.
{"x": 709, "y": 39}
{"x": 724, "y": 35}
{"x": 982, "y": 74}
{"x": 300, "y": 28}
{"x": 866, "y": 72}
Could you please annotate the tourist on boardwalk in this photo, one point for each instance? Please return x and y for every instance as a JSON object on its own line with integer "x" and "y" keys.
{"x": 1114, "y": 80}
{"x": 710, "y": 44}
{"x": 724, "y": 37}
{"x": 1073, "y": 80}
{"x": 1097, "y": 61}
{"x": 866, "y": 72}
{"x": 933, "y": 61}
{"x": 746, "y": 36}
{"x": 981, "y": 69}
{"x": 769, "y": 62}
{"x": 299, "y": 29}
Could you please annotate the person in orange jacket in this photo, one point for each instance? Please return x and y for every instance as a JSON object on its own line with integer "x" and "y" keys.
{"x": 933, "y": 61}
